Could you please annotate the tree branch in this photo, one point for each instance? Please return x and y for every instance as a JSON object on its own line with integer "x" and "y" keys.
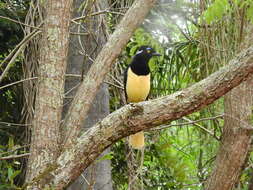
{"x": 18, "y": 22}
{"x": 95, "y": 14}
{"x": 136, "y": 117}
{"x": 18, "y": 49}
{"x": 189, "y": 122}
{"x": 15, "y": 156}
{"x": 86, "y": 92}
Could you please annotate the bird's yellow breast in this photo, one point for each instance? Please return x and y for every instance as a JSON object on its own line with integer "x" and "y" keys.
{"x": 137, "y": 86}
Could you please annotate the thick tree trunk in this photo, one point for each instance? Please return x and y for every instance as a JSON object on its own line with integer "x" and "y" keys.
{"x": 236, "y": 138}
{"x": 97, "y": 176}
{"x": 49, "y": 97}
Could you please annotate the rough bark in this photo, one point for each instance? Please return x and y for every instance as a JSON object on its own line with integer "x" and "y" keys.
{"x": 136, "y": 117}
{"x": 86, "y": 92}
{"x": 98, "y": 175}
{"x": 49, "y": 99}
{"x": 236, "y": 138}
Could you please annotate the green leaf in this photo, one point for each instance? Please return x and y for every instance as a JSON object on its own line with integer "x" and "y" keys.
{"x": 14, "y": 174}
{"x": 108, "y": 156}
{"x": 10, "y": 143}
{"x": 10, "y": 173}
{"x": 250, "y": 13}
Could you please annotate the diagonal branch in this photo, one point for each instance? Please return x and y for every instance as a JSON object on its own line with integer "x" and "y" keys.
{"x": 86, "y": 92}
{"x": 15, "y": 52}
{"x": 18, "y": 22}
{"x": 136, "y": 117}
{"x": 15, "y": 156}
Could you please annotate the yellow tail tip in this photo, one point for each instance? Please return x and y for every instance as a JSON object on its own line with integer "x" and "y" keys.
{"x": 136, "y": 141}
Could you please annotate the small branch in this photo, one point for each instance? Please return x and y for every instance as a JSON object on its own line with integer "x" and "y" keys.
{"x": 67, "y": 75}
{"x": 8, "y": 152}
{"x": 21, "y": 45}
{"x": 80, "y": 33}
{"x": 15, "y": 156}
{"x": 13, "y": 124}
{"x": 115, "y": 85}
{"x": 70, "y": 90}
{"x": 116, "y": 80}
{"x": 16, "y": 21}
{"x": 203, "y": 128}
{"x": 26, "y": 38}
{"x": 95, "y": 14}
{"x": 190, "y": 122}
{"x": 17, "y": 82}
{"x": 120, "y": 86}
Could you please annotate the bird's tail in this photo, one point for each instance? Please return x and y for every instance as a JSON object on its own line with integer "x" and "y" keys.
{"x": 137, "y": 140}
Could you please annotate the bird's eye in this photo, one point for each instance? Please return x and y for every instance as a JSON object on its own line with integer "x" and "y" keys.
{"x": 148, "y": 51}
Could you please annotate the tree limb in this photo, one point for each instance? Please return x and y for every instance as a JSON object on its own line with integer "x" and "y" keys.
{"x": 137, "y": 117}
{"x": 17, "y": 51}
{"x": 86, "y": 92}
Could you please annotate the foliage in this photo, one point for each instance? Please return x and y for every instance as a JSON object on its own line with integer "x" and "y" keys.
{"x": 9, "y": 169}
{"x": 220, "y": 8}
{"x": 11, "y": 33}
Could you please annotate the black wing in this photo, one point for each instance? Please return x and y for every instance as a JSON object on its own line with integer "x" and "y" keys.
{"x": 125, "y": 81}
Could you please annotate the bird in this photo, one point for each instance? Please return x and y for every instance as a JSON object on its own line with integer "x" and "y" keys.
{"x": 137, "y": 85}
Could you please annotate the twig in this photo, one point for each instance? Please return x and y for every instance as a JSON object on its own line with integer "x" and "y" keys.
{"x": 113, "y": 78}
{"x": 8, "y": 152}
{"x": 110, "y": 83}
{"x": 85, "y": 179}
{"x": 11, "y": 84}
{"x": 14, "y": 124}
{"x": 70, "y": 90}
{"x": 16, "y": 48}
{"x": 9, "y": 64}
{"x": 21, "y": 46}
{"x": 190, "y": 122}
{"x": 79, "y": 33}
{"x": 16, "y": 21}
{"x": 14, "y": 156}
{"x": 115, "y": 85}
{"x": 95, "y": 14}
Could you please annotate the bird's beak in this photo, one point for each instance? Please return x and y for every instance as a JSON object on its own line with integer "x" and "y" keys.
{"x": 156, "y": 54}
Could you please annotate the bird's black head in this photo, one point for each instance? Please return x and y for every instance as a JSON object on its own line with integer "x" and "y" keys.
{"x": 139, "y": 64}
{"x": 146, "y": 52}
